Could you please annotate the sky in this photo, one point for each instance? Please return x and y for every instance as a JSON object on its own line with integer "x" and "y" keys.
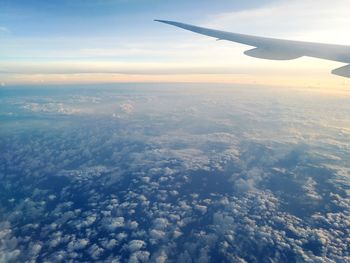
{"x": 49, "y": 42}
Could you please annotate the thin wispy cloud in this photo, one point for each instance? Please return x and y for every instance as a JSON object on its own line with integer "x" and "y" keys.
{"x": 326, "y": 21}
{"x": 4, "y": 29}
{"x": 73, "y": 67}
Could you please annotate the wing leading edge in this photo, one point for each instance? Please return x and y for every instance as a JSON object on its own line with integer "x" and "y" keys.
{"x": 278, "y": 49}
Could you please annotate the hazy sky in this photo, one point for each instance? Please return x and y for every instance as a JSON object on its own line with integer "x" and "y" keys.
{"x": 116, "y": 40}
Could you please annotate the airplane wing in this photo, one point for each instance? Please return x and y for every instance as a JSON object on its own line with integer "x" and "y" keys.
{"x": 278, "y": 49}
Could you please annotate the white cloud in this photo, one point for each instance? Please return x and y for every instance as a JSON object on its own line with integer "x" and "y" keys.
{"x": 201, "y": 208}
{"x": 8, "y": 244}
{"x": 95, "y": 251}
{"x": 89, "y": 220}
{"x": 160, "y": 223}
{"x": 133, "y": 225}
{"x": 4, "y": 29}
{"x": 313, "y": 20}
{"x": 156, "y": 234}
{"x": 231, "y": 221}
{"x": 139, "y": 256}
{"x": 127, "y": 108}
{"x": 135, "y": 245}
{"x": 115, "y": 223}
{"x": 78, "y": 244}
{"x": 242, "y": 185}
{"x": 122, "y": 236}
{"x": 310, "y": 189}
{"x": 51, "y": 108}
{"x": 161, "y": 258}
{"x": 35, "y": 249}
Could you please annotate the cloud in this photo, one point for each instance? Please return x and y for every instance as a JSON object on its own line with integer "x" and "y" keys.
{"x": 127, "y": 108}
{"x": 78, "y": 244}
{"x": 59, "y": 108}
{"x": 115, "y": 223}
{"x": 310, "y": 188}
{"x": 155, "y": 235}
{"x": 8, "y": 244}
{"x": 230, "y": 179}
{"x": 95, "y": 251}
{"x": 243, "y": 186}
{"x": 325, "y": 21}
{"x": 105, "y": 67}
{"x": 135, "y": 245}
{"x": 201, "y": 208}
{"x": 160, "y": 223}
{"x": 139, "y": 256}
{"x": 4, "y": 29}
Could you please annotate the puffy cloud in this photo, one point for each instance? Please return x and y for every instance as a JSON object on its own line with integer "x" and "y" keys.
{"x": 89, "y": 221}
{"x": 310, "y": 189}
{"x": 78, "y": 244}
{"x": 112, "y": 188}
{"x": 201, "y": 208}
{"x": 51, "y": 107}
{"x": 160, "y": 223}
{"x": 115, "y": 223}
{"x": 135, "y": 245}
{"x": 8, "y": 244}
{"x": 95, "y": 251}
{"x": 156, "y": 234}
{"x": 139, "y": 256}
{"x": 109, "y": 244}
{"x": 243, "y": 186}
{"x": 127, "y": 108}
{"x": 161, "y": 258}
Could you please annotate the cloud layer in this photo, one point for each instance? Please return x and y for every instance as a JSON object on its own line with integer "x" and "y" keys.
{"x": 181, "y": 173}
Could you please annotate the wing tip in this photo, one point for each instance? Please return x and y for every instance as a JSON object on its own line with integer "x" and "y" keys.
{"x": 173, "y": 23}
{"x": 163, "y": 21}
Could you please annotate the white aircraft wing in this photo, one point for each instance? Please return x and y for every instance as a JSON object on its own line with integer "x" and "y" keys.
{"x": 278, "y": 49}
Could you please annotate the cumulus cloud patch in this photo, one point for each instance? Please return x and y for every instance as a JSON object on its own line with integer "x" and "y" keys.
{"x": 59, "y": 108}
{"x": 226, "y": 181}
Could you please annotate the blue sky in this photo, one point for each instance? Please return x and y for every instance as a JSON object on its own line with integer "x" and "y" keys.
{"x": 103, "y": 18}
{"x": 58, "y": 41}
